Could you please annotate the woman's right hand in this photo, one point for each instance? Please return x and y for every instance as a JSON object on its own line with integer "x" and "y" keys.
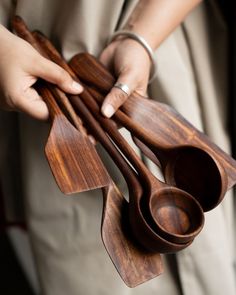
{"x": 20, "y": 66}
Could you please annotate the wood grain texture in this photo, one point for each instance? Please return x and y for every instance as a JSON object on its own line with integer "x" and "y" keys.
{"x": 73, "y": 159}
{"x": 154, "y": 186}
{"x": 22, "y": 31}
{"x": 170, "y": 129}
{"x": 153, "y": 190}
{"x": 71, "y": 156}
{"x": 134, "y": 264}
{"x": 143, "y": 227}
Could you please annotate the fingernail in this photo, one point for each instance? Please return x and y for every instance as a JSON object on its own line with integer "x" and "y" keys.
{"x": 108, "y": 110}
{"x": 76, "y": 86}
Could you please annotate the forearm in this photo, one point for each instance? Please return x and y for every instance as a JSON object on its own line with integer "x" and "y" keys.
{"x": 156, "y": 19}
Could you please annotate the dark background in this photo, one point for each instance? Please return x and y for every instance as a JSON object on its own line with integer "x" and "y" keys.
{"x": 12, "y": 278}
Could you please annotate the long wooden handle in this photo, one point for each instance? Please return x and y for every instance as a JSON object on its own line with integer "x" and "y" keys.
{"x": 48, "y": 49}
{"x": 22, "y": 31}
{"x": 107, "y": 124}
{"x": 93, "y": 73}
{"x": 47, "y": 96}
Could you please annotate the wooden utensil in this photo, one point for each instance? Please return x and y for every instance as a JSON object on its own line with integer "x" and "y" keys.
{"x": 134, "y": 264}
{"x": 208, "y": 181}
{"x": 71, "y": 156}
{"x": 170, "y": 130}
{"x": 115, "y": 231}
{"x": 73, "y": 159}
{"x": 51, "y": 51}
{"x": 172, "y": 213}
{"x": 195, "y": 228}
{"x": 22, "y": 31}
{"x": 142, "y": 265}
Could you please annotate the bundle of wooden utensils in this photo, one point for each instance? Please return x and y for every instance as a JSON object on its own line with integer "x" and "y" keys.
{"x": 163, "y": 217}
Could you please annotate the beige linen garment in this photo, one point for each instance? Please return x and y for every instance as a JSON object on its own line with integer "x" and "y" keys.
{"x": 64, "y": 231}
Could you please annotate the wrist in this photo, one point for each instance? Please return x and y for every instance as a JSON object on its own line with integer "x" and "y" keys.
{"x": 138, "y": 39}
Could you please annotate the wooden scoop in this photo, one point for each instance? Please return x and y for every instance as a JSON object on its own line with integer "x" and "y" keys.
{"x": 172, "y": 213}
{"x": 155, "y": 186}
{"x": 72, "y": 157}
{"x": 116, "y": 234}
{"x": 170, "y": 130}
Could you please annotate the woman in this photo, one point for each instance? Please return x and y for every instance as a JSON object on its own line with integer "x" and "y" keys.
{"x": 190, "y": 77}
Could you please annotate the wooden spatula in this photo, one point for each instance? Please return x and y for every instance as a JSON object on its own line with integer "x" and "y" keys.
{"x": 134, "y": 264}
{"x": 73, "y": 159}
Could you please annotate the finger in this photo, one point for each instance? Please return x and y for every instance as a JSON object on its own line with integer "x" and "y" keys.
{"x": 53, "y": 73}
{"x": 32, "y": 104}
{"x": 116, "y": 97}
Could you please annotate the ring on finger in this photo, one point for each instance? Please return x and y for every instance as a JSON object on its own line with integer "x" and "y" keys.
{"x": 123, "y": 87}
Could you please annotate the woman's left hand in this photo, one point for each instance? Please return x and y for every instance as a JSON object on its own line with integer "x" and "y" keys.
{"x": 130, "y": 63}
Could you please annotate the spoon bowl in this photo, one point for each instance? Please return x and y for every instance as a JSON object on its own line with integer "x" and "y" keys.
{"x": 179, "y": 216}
{"x": 153, "y": 185}
{"x": 192, "y": 167}
{"x": 144, "y": 230}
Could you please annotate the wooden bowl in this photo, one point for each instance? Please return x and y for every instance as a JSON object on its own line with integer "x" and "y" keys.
{"x": 179, "y": 218}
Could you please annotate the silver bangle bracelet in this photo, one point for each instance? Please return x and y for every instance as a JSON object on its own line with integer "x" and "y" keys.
{"x": 141, "y": 41}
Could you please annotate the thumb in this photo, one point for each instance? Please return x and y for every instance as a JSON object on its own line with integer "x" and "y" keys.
{"x": 53, "y": 73}
{"x": 122, "y": 89}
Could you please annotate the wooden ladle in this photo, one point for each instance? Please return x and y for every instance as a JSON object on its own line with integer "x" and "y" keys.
{"x": 184, "y": 165}
{"x": 116, "y": 234}
{"x": 172, "y": 196}
{"x": 116, "y": 237}
{"x": 143, "y": 228}
{"x": 173, "y": 213}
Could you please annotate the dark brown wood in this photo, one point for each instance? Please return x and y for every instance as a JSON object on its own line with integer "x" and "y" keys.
{"x": 195, "y": 168}
{"x": 134, "y": 264}
{"x": 170, "y": 130}
{"x": 70, "y": 155}
{"x": 73, "y": 159}
{"x": 182, "y": 233}
{"x": 22, "y": 31}
{"x": 155, "y": 190}
{"x": 137, "y": 217}
{"x": 121, "y": 248}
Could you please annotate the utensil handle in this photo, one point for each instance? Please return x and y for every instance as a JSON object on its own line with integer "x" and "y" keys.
{"x": 89, "y": 101}
{"x": 94, "y": 73}
{"x": 48, "y": 97}
{"x": 22, "y": 30}
{"x": 48, "y": 48}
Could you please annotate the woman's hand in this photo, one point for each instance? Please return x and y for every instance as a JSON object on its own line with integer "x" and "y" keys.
{"x": 130, "y": 63}
{"x": 20, "y": 66}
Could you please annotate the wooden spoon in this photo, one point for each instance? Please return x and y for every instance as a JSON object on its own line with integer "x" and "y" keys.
{"x": 173, "y": 214}
{"x": 190, "y": 165}
{"x": 51, "y": 51}
{"x": 142, "y": 265}
{"x": 73, "y": 159}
